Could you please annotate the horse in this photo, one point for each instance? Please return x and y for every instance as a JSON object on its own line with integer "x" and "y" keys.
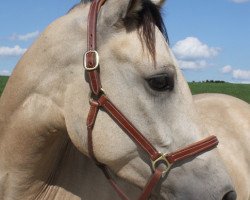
{"x": 44, "y": 145}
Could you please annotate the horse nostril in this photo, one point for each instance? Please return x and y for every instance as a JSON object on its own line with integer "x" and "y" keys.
{"x": 230, "y": 196}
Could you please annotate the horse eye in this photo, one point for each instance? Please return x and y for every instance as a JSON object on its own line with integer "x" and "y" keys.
{"x": 161, "y": 82}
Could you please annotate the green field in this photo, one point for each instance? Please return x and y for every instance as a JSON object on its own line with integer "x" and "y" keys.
{"x": 241, "y": 91}
{"x": 3, "y": 81}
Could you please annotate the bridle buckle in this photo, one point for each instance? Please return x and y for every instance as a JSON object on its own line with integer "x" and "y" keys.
{"x": 162, "y": 160}
{"x": 96, "y": 55}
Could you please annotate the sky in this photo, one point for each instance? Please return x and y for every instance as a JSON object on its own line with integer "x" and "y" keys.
{"x": 210, "y": 38}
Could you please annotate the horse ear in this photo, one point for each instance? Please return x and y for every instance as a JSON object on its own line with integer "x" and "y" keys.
{"x": 115, "y": 10}
{"x": 158, "y": 2}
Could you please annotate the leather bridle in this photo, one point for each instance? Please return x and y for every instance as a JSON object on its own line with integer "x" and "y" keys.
{"x": 98, "y": 99}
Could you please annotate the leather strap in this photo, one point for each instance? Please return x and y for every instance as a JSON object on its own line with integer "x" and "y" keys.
{"x": 92, "y": 21}
{"x": 90, "y": 58}
{"x": 95, "y": 81}
{"x": 128, "y": 127}
{"x": 140, "y": 140}
{"x": 94, "y": 108}
{"x": 192, "y": 150}
{"x": 108, "y": 175}
{"x": 155, "y": 178}
{"x": 179, "y": 155}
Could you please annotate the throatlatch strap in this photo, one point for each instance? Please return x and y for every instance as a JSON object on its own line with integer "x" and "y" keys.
{"x": 155, "y": 178}
{"x": 93, "y": 111}
{"x": 153, "y": 181}
{"x": 108, "y": 175}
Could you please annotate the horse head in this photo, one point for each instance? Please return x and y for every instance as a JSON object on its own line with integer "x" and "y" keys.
{"x": 141, "y": 76}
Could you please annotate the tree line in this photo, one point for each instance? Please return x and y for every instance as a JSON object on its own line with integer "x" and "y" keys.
{"x": 209, "y": 81}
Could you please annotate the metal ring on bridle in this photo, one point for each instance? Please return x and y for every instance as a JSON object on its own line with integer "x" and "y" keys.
{"x": 161, "y": 160}
{"x": 96, "y": 60}
{"x": 91, "y": 99}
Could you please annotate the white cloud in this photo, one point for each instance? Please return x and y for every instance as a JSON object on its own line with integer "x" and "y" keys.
{"x": 193, "y": 48}
{"x": 192, "y": 54}
{"x": 5, "y": 72}
{"x": 193, "y": 65}
{"x": 227, "y": 69}
{"x": 241, "y": 74}
{"x": 11, "y": 51}
{"x": 240, "y": 1}
{"x": 25, "y": 37}
{"x": 237, "y": 74}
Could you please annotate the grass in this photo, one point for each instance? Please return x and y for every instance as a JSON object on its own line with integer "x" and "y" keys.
{"x": 3, "y": 81}
{"x": 241, "y": 91}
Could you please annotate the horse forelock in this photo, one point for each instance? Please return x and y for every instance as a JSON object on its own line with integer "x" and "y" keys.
{"x": 149, "y": 17}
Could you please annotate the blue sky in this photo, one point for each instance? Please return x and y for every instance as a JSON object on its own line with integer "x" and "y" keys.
{"x": 210, "y": 38}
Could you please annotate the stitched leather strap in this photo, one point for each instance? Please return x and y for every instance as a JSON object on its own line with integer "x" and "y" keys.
{"x": 90, "y": 58}
{"x": 108, "y": 175}
{"x": 92, "y": 21}
{"x": 179, "y": 155}
{"x": 155, "y": 178}
{"x": 94, "y": 108}
{"x": 128, "y": 127}
{"x": 192, "y": 150}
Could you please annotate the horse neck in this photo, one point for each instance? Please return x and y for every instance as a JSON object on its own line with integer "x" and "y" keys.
{"x": 28, "y": 162}
{"x": 33, "y": 131}
{"x": 59, "y": 171}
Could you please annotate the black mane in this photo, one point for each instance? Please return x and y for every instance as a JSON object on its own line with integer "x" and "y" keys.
{"x": 149, "y": 17}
